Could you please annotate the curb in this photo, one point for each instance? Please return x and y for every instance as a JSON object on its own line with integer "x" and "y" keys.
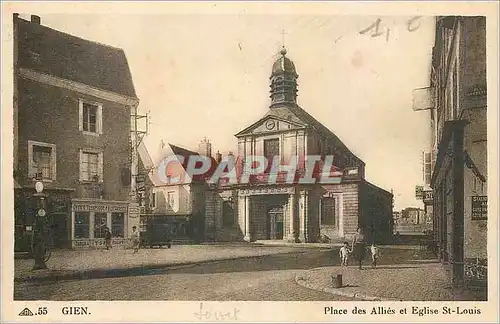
{"x": 302, "y": 280}
{"x": 150, "y": 269}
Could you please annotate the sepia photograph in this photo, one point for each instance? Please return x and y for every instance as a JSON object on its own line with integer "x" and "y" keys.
{"x": 327, "y": 157}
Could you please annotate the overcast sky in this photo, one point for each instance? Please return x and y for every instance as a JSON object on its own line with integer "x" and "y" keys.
{"x": 208, "y": 76}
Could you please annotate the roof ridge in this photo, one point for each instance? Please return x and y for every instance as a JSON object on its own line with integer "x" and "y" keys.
{"x": 315, "y": 121}
{"x": 182, "y": 148}
{"x": 71, "y": 35}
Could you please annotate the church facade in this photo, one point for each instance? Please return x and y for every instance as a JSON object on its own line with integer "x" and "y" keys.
{"x": 297, "y": 212}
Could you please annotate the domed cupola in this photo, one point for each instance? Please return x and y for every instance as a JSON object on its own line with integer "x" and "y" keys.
{"x": 283, "y": 81}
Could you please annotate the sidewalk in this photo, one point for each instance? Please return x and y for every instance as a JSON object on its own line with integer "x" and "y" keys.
{"x": 423, "y": 280}
{"x": 72, "y": 264}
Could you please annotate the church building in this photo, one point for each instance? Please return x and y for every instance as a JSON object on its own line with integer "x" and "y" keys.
{"x": 297, "y": 212}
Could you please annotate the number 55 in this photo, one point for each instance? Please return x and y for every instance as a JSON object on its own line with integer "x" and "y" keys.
{"x": 42, "y": 310}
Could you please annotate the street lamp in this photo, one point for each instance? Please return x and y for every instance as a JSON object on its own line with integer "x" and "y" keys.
{"x": 39, "y": 239}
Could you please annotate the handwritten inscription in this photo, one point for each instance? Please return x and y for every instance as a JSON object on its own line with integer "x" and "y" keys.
{"x": 411, "y": 23}
{"x": 207, "y": 314}
{"x": 376, "y": 30}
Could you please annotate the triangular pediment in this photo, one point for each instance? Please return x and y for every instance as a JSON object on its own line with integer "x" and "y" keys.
{"x": 271, "y": 123}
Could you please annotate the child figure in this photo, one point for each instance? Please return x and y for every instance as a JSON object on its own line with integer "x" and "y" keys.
{"x": 344, "y": 254}
{"x": 375, "y": 254}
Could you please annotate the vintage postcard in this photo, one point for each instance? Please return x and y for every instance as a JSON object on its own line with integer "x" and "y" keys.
{"x": 249, "y": 162}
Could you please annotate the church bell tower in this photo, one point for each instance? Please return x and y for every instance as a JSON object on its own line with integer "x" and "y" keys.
{"x": 283, "y": 81}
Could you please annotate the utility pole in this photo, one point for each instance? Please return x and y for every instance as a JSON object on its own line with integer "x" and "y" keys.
{"x": 137, "y": 136}
{"x": 39, "y": 233}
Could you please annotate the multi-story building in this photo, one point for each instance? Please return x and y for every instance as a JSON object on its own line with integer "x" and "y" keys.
{"x": 259, "y": 210}
{"x": 458, "y": 108}
{"x": 301, "y": 212}
{"x": 73, "y": 101}
{"x": 174, "y": 206}
{"x": 413, "y": 215}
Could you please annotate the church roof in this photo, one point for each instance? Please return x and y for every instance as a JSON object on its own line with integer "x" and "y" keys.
{"x": 58, "y": 54}
{"x": 300, "y": 115}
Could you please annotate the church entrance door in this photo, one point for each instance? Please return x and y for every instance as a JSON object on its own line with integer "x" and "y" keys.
{"x": 275, "y": 222}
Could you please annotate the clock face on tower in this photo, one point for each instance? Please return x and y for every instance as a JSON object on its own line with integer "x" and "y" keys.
{"x": 270, "y": 124}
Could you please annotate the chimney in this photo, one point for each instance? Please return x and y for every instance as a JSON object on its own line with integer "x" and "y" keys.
{"x": 205, "y": 147}
{"x": 35, "y": 19}
{"x": 218, "y": 157}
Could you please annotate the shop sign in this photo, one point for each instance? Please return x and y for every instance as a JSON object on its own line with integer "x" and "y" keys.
{"x": 428, "y": 195}
{"x": 419, "y": 192}
{"x": 100, "y": 208}
{"x": 479, "y": 207}
{"x": 133, "y": 210}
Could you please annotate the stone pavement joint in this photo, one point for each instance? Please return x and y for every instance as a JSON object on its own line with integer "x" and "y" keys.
{"x": 423, "y": 281}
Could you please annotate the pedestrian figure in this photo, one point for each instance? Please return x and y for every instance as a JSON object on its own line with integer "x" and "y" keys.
{"x": 107, "y": 238}
{"x": 375, "y": 254}
{"x": 135, "y": 239}
{"x": 344, "y": 254}
{"x": 358, "y": 246}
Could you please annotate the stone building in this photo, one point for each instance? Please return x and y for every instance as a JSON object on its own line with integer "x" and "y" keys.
{"x": 73, "y": 100}
{"x": 459, "y": 139}
{"x": 298, "y": 212}
{"x": 176, "y": 207}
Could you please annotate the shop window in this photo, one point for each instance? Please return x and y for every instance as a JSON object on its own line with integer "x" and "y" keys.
{"x": 82, "y": 223}
{"x": 100, "y": 224}
{"x": 143, "y": 224}
{"x": 118, "y": 224}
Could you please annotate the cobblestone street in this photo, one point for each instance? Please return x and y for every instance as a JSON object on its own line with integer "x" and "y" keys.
{"x": 261, "y": 278}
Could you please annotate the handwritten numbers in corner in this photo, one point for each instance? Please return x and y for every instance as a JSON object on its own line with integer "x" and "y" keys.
{"x": 374, "y": 30}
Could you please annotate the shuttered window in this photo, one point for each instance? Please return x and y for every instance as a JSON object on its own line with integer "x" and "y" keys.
{"x": 91, "y": 165}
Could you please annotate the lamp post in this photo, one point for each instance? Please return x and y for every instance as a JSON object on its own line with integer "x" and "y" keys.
{"x": 39, "y": 233}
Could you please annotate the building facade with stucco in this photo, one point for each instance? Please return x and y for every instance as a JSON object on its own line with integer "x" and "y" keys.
{"x": 73, "y": 100}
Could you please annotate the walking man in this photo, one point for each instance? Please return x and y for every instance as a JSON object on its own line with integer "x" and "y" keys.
{"x": 107, "y": 238}
{"x": 136, "y": 240}
{"x": 358, "y": 246}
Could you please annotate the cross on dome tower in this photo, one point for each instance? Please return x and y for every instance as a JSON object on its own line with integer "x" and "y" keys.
{"x": 283, "y": 81}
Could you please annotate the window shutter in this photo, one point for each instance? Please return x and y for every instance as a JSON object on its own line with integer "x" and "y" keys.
{"x": 80, "y": 115}
{"x": 81, "y": 164}
{"x": 31, "y": 169}
{"x": 54, "y": 163}
{"x": 100, "y": 166}
{"x": 99, "y": 119}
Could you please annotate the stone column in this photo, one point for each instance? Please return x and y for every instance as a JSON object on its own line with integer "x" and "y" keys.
{"x": 292, "y": 236}
{"x": 303, "y": 216}
{"x": 247, "y": 219}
